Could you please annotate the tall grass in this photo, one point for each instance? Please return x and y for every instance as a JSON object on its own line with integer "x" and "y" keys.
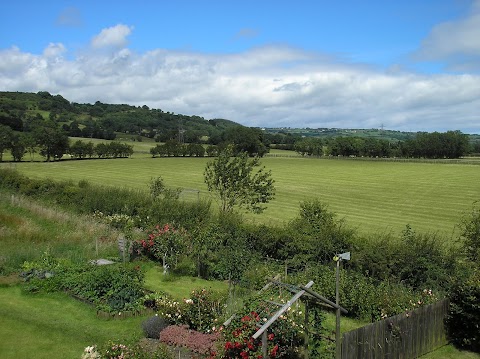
{"x": 29, "y": 229}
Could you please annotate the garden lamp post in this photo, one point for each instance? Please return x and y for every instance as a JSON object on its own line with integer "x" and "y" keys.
{"x": 338, "y": 345}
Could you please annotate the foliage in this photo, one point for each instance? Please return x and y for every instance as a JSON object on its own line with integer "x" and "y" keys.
{"x": 153, "y": 326}
{"x": 164, "y": 244}
{"x": 236, "y": 183}
{"x": 111, "y": 288}
{"x": 363, "y": 297}
{"x": 418, "y": 260}
{"x": 225, "y": 245}
{"x": 470, "y": 234}
{"x": 159, "y": 190}
{"x": 246, "y": 139}
{"x": 451, "y": 144}
{"x": 181, "y": 335}
{"x": 316, "y": 235}
{"x": 6, "y": 137}
{"x": 285, "y": 335}
{"x": 463, "y": 321}
{"x": 115, "y": 350}
{"x": 200, "y": 312}
{"x": 52, "y": 141}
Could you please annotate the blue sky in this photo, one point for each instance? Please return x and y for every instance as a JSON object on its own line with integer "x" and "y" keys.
{"x": 406, "y": 65}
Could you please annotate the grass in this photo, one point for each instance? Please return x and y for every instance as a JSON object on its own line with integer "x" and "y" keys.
{"x": 450, "y": 352}
{"x": 54, "y": 326}
{"x": 28, "y": 230}
{"x": 373, "y": 196}
{"x": 179, "y": 287}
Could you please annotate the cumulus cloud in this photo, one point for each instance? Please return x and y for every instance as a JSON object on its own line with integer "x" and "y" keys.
{"x": 456, "y": 42}
{"x": 271, "y": 86}
{"x": 54, "y": 50}
{"x": 115, "y": 36}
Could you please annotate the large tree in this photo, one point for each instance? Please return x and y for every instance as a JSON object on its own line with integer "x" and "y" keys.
{"x": 246, "y": 139}
{"x": 6, "y": 137}
{"x": 239, "y": 182}
{"x": 52, "y": 141}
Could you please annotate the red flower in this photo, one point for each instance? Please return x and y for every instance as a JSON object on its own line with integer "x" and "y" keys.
{"x": 271, "y": 336}
{"x": 228, "y": 345}
{"x": 274, "y": 351}
{"x": 246, "y": 318}
{"x": 244, "y": 354}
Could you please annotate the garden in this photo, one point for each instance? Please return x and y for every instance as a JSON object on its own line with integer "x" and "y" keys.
{"x": 52, "y": 230}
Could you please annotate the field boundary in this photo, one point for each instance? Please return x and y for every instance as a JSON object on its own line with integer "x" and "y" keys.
{"x": 405, "y": 336}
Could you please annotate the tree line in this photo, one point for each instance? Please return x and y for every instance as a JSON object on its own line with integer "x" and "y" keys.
{"x": 52, "y": 143}
{"x": 451, "y": 144}
{"x": 27, "y": 112}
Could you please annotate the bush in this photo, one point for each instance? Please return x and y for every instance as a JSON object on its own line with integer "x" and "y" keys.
{"x": 463, "y": 320}
{"x": 153, "y": 326}
{"x": 112, "y": 288}
{"x": 113, "y": 350}
{"x": 181, "y": 335}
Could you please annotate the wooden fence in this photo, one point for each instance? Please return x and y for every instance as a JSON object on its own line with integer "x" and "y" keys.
{"x": 404, "y": 336}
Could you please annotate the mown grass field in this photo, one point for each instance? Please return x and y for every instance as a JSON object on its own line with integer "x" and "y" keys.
{"x": 373, "y": 196}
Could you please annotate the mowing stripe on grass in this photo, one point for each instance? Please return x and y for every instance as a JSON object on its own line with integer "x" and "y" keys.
{"x": 372, "y": 196}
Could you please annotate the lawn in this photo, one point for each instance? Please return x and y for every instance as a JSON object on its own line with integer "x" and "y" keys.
{"x": 373, "y": 196}
{"x": 54, "y": 326}
{"x": 179, "y": 287}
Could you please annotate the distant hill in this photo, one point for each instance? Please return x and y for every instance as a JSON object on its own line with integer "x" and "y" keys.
{"x": 20, "y": 110}
{"x": 388, "y": 135}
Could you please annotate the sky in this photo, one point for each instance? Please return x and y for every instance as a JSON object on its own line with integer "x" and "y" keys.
{"x": 399, "y": 65}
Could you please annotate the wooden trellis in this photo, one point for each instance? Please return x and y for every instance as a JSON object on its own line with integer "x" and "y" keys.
{"x": 298, "y": 292}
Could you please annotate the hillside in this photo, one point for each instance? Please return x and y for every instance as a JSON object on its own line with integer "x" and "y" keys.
{"x": 21, "y": 110}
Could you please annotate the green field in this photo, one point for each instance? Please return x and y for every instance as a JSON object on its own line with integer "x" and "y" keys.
{"x": 373, "y": 196}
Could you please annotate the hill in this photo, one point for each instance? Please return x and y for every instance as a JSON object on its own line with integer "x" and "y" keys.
{"x": 100, "y": 120}
{"x": 21, "y": 110}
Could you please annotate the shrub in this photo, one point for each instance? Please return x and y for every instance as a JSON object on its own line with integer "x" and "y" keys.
{"x": 200, "y": 312}
{"x": 153, "y": 326}
{"x": 164, "y": 244}
{"x": 181, "y": 335}
{"x": 112, "y": 288}
{"x": 463, "y": 320}
{"x": 113, "y": 350}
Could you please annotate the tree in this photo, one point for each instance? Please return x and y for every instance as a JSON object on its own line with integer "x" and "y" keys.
{"x": 53, "y": 141}
{"x": 236, "y": 183}
{"x": 6, "y": 137}
{"x": 470, "y": 234}
{"x": 246, "y": 139}
{"x": 18, "y": 148}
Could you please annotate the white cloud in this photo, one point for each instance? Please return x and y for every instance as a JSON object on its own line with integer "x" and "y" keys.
{"x": 115, "y": 36}
{"x": 456, "y": 42}
{"x": 267, "y": 86}
{"x": 54, "y": 50}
